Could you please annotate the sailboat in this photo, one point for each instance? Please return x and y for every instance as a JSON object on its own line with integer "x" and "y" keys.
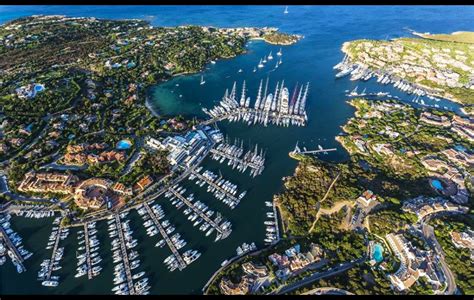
{"x": 286, "y": 10}
{"x": 270, "y": 57}
{"x": 260, "y": 65}
{"x": 202, "y": 80}
{"x": 264, "y": 60}
{"x": 279, "y": 53}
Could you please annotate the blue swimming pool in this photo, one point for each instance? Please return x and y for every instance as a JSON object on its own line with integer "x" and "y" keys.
{"x": 123, "y": 145}
{"x": 377, "y": 253}
{"x": 437, "y": 184}
{"x": 39, "y": 87}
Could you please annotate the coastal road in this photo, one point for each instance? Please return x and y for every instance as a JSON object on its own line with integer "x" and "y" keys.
{"x": 430, "y": 237}
{"x": 327, "y": 291}
{"x": 316, "y": 276}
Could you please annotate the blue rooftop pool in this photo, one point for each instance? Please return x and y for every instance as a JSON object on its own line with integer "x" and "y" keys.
{"x": 377, "y": 253}
{"x": 124, "y": 145}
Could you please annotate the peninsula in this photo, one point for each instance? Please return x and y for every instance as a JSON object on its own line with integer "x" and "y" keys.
{"x": 437, "y": 67}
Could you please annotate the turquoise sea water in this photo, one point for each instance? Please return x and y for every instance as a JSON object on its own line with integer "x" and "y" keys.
{"x": 325, "y": 29}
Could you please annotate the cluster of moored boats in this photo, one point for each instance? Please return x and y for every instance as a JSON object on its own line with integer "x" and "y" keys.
{"x": 221, "y": 188}
{"x": 244, "y": 248}
{"x": 354, "y": 93}
{"x": 16, "y": 241}
{"x": 90, "y": 258}
{"x": 277, "y": 108}
{"x": 362, "y": 72}
{"x": 233, "y": 152}
{"x": 175, "y": 242}
{"x": 199, "y": 213}
{"x": 35, "y": 214}
{"x": 125, "y": 262}
{"x": 271, "y": 226}
{"x": 50, "y": 265}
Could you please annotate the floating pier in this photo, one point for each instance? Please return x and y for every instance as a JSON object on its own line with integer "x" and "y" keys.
{"x": 218, "y": 191}
{"x": 11, "y": 246}
{"x": 88, "y": 253}
{"x": 182, "y": 263}
{"x": 223, "y": 232}
{"x": 126, "y": 262}
{"x": 252, "y": 159}
{"x": 53, "y": 256}
{"x": 320, "y": 149}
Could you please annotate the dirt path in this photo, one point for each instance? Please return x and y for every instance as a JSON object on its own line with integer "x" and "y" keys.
{"x": 329, "y": 211}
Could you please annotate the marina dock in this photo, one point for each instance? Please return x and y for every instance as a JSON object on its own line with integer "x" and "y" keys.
{"x": 320, "y": 149}
{"x": 278, "y": 108}
{"x": 53, "y": 256}
{"x": 224, "y": 233}
{"x": 88, "y": 253}
{"x": 12, "y": 247}
{"x": 214, "y": 185}
{"x": 277, "y": 227}
{"x": 233, "y": 152}
{"x": 182, "y": 263}
{"x": 123, "y": 248}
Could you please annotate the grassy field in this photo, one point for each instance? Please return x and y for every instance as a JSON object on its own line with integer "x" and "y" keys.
{"x": 460, "y": 37}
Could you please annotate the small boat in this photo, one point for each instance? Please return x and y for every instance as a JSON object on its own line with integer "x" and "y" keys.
{"x": 50, "y": 283}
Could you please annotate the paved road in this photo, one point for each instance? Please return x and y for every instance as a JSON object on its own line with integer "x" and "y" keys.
{"x": 316, "y": 276}
{"x": 327, "y": 291}
{"x": 430, "y": 237}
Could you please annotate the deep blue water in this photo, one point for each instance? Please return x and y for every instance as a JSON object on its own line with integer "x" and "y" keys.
{"x": 325, "y": 29}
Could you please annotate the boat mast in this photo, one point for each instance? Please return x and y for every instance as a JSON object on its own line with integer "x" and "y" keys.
{"x": 280, "y": 96}
{"x": 257, "y": 102}
{"x": 303, "y": 101}
{"x": 298, "y": 101}
{"x": 242, "y": 98}
{"x": 275, "y": 96}
{"x": 292, "y": 102}
{"x": 264, "y": 94}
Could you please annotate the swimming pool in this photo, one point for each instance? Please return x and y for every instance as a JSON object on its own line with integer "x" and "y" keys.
{"x": 123, "y": 145}
{"x": 437, "y": 184}
{"x": 39, "y": 87}
{"x": 377, "y": 253}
